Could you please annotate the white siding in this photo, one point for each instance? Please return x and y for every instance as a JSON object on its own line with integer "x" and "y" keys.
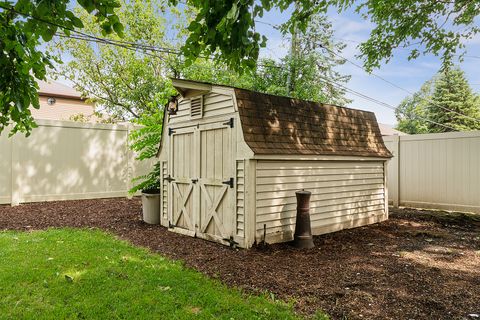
{"x": 240, "y": 219}
{"x": 214, "y": 104}
{"x": 344, "y": 194}
{"x": 164, "y": 193}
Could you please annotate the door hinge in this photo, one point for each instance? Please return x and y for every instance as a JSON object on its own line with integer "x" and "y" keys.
{"x": 233, "y": 244}
{"x": 169, "y": 178}
{"x": 170, "y": 131}
{"x": 170, "y": 225}
{"x": 229, "y": 123}
{"x": 229, "y": 182}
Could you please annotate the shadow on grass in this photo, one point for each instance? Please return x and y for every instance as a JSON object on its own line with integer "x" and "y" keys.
{"x": 72, "y": 273}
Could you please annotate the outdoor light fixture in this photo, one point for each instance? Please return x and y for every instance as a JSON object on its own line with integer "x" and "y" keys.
{"x": 172, "y": 105}
{"x": 51, "y": 101}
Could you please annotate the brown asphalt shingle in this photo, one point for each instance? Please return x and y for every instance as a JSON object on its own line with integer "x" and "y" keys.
{"x": 281, "y": 125}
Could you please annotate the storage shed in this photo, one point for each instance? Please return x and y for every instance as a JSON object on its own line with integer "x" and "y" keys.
{"x": 232, "y": 159}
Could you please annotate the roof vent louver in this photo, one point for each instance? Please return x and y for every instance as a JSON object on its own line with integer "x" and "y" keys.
{"x": 196, "y": 107}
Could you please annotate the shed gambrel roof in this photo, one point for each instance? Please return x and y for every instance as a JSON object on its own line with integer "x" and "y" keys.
{"x": 276, "y": 125}
{"x": 285, "y": 126}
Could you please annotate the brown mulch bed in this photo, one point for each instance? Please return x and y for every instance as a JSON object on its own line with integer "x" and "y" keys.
{"x": 417, "y": 265}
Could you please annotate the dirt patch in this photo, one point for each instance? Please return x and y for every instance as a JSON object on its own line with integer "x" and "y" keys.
{"x": 417, "y": 265}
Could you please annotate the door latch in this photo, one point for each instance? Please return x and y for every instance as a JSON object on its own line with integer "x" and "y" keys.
{"x": 229, "y": 182}
{"x": 169, "y": 178}
{"x": 194, "y": 181}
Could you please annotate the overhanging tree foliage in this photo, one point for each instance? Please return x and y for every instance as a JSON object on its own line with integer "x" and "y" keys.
{"x": 129, "y": 82}
{"x": 227, "y": 28}
{"x": 23, "y": 25}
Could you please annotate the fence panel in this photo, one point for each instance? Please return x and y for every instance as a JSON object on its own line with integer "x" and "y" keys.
{"x": 435, "y": 170}
{"x": 64, "y": 160}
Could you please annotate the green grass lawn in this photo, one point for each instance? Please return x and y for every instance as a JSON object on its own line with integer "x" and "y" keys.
{"x": 84, "y": 274}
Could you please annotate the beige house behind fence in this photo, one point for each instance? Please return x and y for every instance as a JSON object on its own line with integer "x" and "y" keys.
{"x": 388, "y": 130}
{"x": 232, "y": 159}
{"x": 60, "y": 102}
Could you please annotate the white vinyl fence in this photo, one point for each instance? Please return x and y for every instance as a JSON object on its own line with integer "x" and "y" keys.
{"x": 440, "y": 171}
{"x": 63, "y": 160}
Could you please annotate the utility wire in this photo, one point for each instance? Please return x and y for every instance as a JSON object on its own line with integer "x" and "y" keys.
{"x": 86, "y": 36}
{"x": 394, "y": 84}
{"x": 381, "y": 103}
{"x": 136, "y": 47}
{"x": 118, "y": 44}
{"x": 109, "y": 43}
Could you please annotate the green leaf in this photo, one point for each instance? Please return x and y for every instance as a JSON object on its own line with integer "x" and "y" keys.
{"x": 233, "y": 12}
{"x": 118, "y": 28}
{"x": 77, "y": 22}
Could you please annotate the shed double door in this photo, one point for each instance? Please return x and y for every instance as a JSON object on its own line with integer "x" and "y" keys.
{"x": 202, "y": 181}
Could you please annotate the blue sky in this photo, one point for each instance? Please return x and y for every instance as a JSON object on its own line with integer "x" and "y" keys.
{"x": 406, "y": 74}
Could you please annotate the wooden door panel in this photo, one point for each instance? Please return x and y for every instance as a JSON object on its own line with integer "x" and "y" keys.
{"x": 216, "y": 162}
{"x": 182, "y": 188}
{"x": 201, "y": 166}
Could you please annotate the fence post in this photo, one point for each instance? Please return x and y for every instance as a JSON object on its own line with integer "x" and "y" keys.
{"x": 394, "y": 191}
{"x": 130, "y": 160}
{"x": 16, "y": 171}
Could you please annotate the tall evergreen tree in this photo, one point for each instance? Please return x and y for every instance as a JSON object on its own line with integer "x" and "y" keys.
{"x": 453, "y": 103}
{"x": 444, "y": 101}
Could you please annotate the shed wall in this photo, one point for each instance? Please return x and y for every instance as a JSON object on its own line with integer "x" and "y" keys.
{"x": 215, "y": 143}
{"x": 345, "y": 194}
{"x": 214, "y": 104}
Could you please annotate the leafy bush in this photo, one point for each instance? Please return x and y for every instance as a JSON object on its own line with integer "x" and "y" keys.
{"x": 149, "y": 182}
{"x": 144, "y": 141}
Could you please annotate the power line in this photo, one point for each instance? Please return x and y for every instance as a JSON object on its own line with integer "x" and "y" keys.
{"x": 381, "y": 103}
{"x": 118, "y": 44}
{"x": 136, "y": 47}
{"x": 394, "y": 84}
{"x": 84, "y": 36}
{"x": 405, "y": 48}
{"x": 274, "y": 26}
